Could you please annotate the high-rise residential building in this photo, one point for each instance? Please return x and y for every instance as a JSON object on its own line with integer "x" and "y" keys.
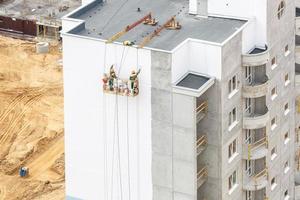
{"x": 180, "y": 100}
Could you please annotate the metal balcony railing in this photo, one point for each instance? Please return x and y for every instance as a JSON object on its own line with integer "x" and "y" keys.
{"x": 298, "y": 104}
{"x": 201, "y": 144}
{"x": 253, "y": 147}
{"x": 201, "y": 176}
{"x": 201, "y": 111}
{"x": 261, "y": 175}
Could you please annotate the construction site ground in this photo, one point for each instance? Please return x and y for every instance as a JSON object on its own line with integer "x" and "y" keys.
{"x": 31, "y": 121}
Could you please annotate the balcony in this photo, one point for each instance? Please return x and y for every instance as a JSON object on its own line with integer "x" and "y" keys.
{"x": 201, "y": 111}
{"x": 257, "y": 88}
{"x": 201, "y": 176}
{"x": 201, "y": 144}
{"x": 257, "y": 57}
{"x": 256, "y": 150}
{"x": 257, "y": 181}
{"x": 256, "y": 120}
{"x": 257, "y": 195}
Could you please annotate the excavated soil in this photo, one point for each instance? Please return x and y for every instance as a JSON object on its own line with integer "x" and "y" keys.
{"x": 31, "y": 121}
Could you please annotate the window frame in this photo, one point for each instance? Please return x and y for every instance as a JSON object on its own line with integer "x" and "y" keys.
{"x": 281, "y": 9}
{"x": 232, "y": 149}
{"x": 232, "y": 85}
{"x": 232, "y": 181}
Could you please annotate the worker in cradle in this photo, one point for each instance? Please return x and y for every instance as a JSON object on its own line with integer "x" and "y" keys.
{"x": 133, "y": 80}
{"x": 112, "y": 77}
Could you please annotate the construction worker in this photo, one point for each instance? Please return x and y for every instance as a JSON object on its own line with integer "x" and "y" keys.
{"x": 133, "y": 81}
{"x": 111, "y": 78}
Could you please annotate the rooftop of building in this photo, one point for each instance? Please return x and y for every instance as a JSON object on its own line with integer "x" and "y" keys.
{"x": 193, "y": 84}
{"x": 37, "y": 9}
{"x": 103, "y": 20}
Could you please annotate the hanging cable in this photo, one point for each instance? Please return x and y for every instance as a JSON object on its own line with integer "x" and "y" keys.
{"x": 105, "y": 147}
{"x": 119, "y": 154}
{"x": 128, "y": 154}
{"x": 113, "y": 156}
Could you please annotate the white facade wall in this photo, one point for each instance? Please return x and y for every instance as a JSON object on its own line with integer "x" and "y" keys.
{"x": 91, "y": 123}
{"x": 255, "y": 11}
{"x": 196, "y": 56}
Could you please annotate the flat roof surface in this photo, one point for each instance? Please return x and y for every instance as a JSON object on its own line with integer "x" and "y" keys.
{"x": 103, "y": 20}
{"x": 34, "y": 9}
{"x": 193, "y": 81}
{"x": 257, "y": 50}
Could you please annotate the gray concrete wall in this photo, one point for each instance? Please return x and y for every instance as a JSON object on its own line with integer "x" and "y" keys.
{"x": 173, "y": 136}
{"x": 279, "y": 34}
{"x": 231, "y": 65}
{"x": 162, "y": 131}
{"x": 211, "y": 156}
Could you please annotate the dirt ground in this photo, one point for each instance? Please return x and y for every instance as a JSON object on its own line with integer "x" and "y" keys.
{"x": 31, "y": 121}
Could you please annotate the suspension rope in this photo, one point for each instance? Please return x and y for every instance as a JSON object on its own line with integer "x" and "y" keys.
{"x": 104, "y": 132}
{"x": 128, "y": 154}
{"x": 105, "y": 146}
{"x": 116, "y": 123}
{"x": 113, "y": 156}
{"x": 119, "y": 155}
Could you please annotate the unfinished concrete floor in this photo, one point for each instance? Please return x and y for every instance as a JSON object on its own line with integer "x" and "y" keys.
{"x": 31, "y": 121}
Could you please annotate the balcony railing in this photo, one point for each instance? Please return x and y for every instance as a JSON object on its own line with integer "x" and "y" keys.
{"x": 201, "y": 111}
{"x": 201, "y": 144}
{"x": 257, "y": 181}
{"x": 298, "y": 104}
{"x": 256, "y": 120}
{"x": 257, "y": 57}
{"x": 256, "y": 150}
{"x": 201, "y": 176}
{"x": 257, "y": 88}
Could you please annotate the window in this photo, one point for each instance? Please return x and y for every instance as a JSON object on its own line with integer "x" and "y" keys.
{"x": 286, "y": 79}
{"x": 273, "y": 153}
{"x": 274, "y": 93}
{"x": 232, "y": 118}
{"x": 248, "y": 136}
{"x": 286, "y": 137}
{"x": 249, "y": 195}
{"x": 286, "y": 109}
{"x": 232, "y": 181}
{"x": 273, "y": 183}
{"x": 248, "y": 105}
{"x": 248, "y": 167}
{"x": 286, "y": 195}
{"x": 273, "y": 123}
{"x": 281, "y": 9}
{"x": 286, "y": 50}
{"x": 232, "y": 150}
{"x": 232, "y": 85}
{"x": 273, "y": 63}
{"x": 286, "y": 167}
{"x": 248, "y": 74}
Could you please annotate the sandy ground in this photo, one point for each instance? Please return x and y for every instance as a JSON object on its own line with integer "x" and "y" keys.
{"x": 31, "y": 122}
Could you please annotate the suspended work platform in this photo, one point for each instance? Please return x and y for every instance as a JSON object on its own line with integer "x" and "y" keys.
{"x": 124, "y": 87}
